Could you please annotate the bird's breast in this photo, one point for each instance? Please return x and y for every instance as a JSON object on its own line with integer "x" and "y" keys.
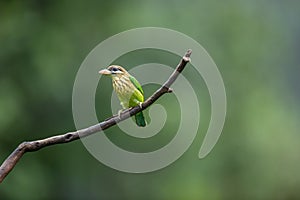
{"x": 122, "y": 84}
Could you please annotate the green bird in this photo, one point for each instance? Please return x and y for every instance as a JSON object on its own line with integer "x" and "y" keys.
{"x": 128, "y": 89}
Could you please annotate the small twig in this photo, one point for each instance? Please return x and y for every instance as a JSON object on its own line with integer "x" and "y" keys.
{"x": 24, "y": 147}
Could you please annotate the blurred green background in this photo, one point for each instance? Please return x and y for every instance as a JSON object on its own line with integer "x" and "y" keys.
{"x": 256, "y": 46}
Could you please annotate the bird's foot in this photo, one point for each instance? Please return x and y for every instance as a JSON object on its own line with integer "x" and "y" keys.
{"x": 140, "y": 104}
{"x": 119, "y": 113}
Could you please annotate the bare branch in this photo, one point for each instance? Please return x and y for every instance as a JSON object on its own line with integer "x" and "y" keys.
{"x": 24, "y": 147}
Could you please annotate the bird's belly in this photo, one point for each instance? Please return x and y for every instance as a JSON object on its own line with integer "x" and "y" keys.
{"x": 124, "y": 96}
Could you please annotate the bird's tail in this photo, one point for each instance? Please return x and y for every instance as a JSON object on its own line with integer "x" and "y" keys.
{"x": 139, "y": 119}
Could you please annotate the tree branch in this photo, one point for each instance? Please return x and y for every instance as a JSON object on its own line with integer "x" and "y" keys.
{"x": 24, "y": 147}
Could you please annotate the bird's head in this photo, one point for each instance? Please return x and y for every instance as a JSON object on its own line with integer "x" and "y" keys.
{"x": 114, "y": 70}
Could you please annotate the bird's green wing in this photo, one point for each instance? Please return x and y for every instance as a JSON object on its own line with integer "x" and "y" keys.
{"x": 136, "y": 84}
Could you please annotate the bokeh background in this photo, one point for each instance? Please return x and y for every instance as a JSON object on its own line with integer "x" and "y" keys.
{"x": 256, "y": 47}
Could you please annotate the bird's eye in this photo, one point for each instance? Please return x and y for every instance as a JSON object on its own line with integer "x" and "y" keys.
{"x": 114, "y": 69}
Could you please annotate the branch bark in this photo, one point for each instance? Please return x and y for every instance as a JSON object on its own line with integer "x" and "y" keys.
{"x": 31, "y": 146}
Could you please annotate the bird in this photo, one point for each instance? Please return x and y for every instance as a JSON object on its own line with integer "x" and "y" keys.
{"x": 128, "y": 89}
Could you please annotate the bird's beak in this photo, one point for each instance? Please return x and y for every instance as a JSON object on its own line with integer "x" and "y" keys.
{"x": 105, "y": 72}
